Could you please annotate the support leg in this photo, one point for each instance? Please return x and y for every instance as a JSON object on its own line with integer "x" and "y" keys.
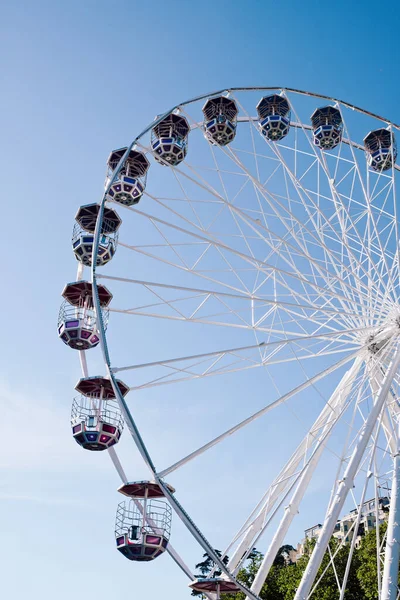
{"x": 391, "y": 565}
{"x": 344, "y": 486}
{"x": 336, "y": 402}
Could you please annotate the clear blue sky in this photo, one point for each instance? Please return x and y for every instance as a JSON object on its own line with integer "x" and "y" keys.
{"x": 79, "y": 78}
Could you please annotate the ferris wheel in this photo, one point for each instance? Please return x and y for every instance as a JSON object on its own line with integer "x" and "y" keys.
{"x": 260, "y": 226}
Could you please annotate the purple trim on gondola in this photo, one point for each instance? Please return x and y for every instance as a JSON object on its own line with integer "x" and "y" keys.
{"x": 69, "y": 324}
{"x": 109, "y": 428}
{"x": 153, "y": 540}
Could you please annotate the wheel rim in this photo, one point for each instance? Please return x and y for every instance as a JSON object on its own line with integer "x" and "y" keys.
{"x": 296, "y": 315}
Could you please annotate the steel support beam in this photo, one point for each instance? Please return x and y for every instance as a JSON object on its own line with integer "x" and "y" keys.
{"x": 336, "y": 506}
{"x": 391, "y": 564}
{"x": 336, "y": 403}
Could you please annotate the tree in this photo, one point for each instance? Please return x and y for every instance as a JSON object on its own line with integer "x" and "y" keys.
{"x": 283, "y": 556}
{"x": 284, "y": 576}
{"x": 206, "y": 566}
{"x": 327, "y": 589}
{"x": 367, "y": 571}
{"x": 247, "y": 574}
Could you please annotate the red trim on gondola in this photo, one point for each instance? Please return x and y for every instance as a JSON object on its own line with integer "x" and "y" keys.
{"x": 212, "y": 585}
{"x": 91, "y": 386}
{"x": 137, "y": 489}
{"x": 77, "y": 292}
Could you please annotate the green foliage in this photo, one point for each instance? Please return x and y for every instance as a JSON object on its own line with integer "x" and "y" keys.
{"x": 284, "y": 576}
{"x": 205, "y": 567}
{"x": 283, "y": 556}
{"x": 246, "y": 575}
{"x": 367, "y": 571}
{"x": 327, "y": 588}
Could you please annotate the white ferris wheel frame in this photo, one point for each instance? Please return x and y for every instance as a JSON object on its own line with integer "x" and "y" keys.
{"x": 295, "y": 476}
